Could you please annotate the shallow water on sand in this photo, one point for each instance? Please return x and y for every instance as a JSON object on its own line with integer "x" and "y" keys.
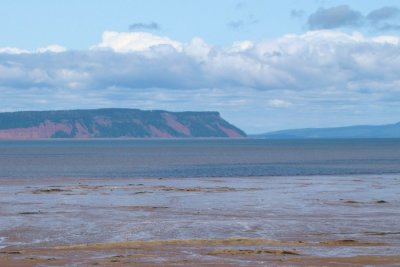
{"x": 45, "y": 213}
{"x": 300, "y": 202}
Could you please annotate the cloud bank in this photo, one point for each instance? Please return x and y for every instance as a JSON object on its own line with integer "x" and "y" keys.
{"x": 316, "y": 70}
{"x": 143, "y": 60}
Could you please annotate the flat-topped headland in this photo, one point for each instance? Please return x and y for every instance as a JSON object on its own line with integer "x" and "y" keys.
{"x": 115, "y": 123}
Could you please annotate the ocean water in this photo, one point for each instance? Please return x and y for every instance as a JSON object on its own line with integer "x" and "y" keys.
{"x": 79, "y": 192}
{"x": 197, "y": 158}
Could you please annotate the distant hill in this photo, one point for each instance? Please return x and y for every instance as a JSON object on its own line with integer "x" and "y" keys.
{"x": 360, "y": 131}
{"x": 114, "y": 123}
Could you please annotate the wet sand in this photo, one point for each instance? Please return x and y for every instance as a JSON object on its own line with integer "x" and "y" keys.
{"x": 264, "y": 221}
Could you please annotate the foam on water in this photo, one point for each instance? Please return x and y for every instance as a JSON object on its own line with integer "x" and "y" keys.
{"x": 2, "y": 240}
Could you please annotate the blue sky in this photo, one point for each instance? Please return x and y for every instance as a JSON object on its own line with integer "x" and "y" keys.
{"x": 265, "y": 65}
{"x": 77, "y": 24}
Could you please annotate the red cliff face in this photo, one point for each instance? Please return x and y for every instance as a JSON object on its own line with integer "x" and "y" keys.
{"x": 230, "y": 132}
{"x": 174, "y": 124}
{"x": 114, "y": 123}
{"x": 44, "y": 130}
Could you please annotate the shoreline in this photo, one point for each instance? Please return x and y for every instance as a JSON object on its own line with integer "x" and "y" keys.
{"x": 62, "y": 179}
{"x": 226, "y": 252}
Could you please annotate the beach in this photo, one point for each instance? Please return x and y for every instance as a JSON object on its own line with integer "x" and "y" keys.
{"x": 342, "y": 220}
{"x": 176, "y": 133}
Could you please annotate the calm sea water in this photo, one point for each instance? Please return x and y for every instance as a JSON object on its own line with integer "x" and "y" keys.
{"x": 196, "y": 158}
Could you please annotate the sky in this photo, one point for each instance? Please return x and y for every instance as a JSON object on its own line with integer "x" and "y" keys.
{"x": 264, "y": 65}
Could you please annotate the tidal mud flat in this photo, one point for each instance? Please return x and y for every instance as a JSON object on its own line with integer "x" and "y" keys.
{"x": 246, "y": 221}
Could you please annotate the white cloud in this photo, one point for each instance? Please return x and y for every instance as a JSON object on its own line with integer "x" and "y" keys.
{"x": 387, "y": 39}
{"x": 52, "y": 48}
{"x": 123, "y": 42}
{"x": 240, "y": 46}
{"x": 12, "y": 50}
{"x": 279, "y": 103}
{"x": 198, "y": 49}
{"x": 310, "y": 61}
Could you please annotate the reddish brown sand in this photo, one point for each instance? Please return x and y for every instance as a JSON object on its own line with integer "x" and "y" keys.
{"x": 190, "y": 253}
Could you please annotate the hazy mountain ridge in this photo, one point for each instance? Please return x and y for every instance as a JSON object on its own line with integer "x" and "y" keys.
{"x": 114, "y": 123}
{"x": 358, "y": 131}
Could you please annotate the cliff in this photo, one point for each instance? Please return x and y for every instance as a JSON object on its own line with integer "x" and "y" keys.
{"x": 114, "y": 123}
